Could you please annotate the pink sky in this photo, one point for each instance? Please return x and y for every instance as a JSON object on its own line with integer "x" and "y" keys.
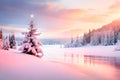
{"x": 66, "y": 18}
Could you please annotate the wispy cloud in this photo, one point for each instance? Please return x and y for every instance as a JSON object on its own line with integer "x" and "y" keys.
{"x": 114, "y": 8}
{"x": 94, "y": 18}
{"x": 71, "y": 14}
{"x": 11, "y": 29}
{"x": 57, "y": 17}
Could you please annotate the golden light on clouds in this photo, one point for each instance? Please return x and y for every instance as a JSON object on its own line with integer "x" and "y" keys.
{"x": 11, "y": 29}
{"x": 50, "y": 6}
{"x": 72, "y": 14}
{"x": 70, "y": 17}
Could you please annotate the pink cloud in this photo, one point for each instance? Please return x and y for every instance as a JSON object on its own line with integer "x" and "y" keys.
{"x": 114, "y": 8}
{"x": 72, "y": 32}
{"x": 72, "y": 13}
{"x": 50, "y": 6}
{"x": 94, "y": 18}
{"x": 11, "y": 29}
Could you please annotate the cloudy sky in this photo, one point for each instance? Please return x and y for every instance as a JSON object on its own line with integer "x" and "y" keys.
{"x": 57, "y": 18}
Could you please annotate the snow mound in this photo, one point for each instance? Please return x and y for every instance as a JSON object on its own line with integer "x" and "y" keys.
{"x": 15, "y": 66}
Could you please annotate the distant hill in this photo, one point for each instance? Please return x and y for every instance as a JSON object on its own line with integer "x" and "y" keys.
{"x": 108, "y": 34}
{"x": 111, "y": 26}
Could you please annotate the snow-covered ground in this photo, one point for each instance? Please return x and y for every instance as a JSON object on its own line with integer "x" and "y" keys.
{"x": 57, "y": 52}
{"x": 95, "y": 50}
{"x": 58, "y": 63}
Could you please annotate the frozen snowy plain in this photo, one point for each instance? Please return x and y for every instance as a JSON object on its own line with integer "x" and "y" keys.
{"x": 58, "y": 63}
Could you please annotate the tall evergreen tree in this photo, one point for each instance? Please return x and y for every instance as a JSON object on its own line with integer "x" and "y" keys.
{"x": 84, "y": 39}
{"x": 30, "y": 44}
{"x": 12, "y": 41}
{"x": 1, "y": 39}
{"x": 1, "y": 34}
{"x": 77, "y": 42}
{"x": 6, "y": 43}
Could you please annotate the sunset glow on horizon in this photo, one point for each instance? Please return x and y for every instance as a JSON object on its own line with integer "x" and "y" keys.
{"x": 57, "y": 18}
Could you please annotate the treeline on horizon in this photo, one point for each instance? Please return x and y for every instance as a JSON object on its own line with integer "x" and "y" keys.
{"x": 107, "y": 35}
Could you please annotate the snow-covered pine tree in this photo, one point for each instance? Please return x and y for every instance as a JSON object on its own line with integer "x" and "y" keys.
{"x": 6, "y": 43}
{"x": 77, "y": 42}
{"x": 30, "y": 44}
{"x": 12, "y": 41}
{"x": 84, "y": 39}
{"x": 0, "y": 34}
{"x": 1, "y": 43}
{"x": 111, "y": 38}
{"x": 118, "y": 43}
{"x": 87, "y": 37}
{"x": 95, "y": 38}
{"x": 70, "y": 43}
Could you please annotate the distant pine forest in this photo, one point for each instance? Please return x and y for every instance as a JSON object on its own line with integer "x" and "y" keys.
{"x": 106, "y": 35}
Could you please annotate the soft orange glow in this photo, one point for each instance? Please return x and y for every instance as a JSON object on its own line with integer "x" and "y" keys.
{"x": 60, "y": 7}
{"x": 73, "y": 14}
{"x": 11, "y": 29}
{"x": 50, "y": 6}
{"x": 74, "y": 17}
